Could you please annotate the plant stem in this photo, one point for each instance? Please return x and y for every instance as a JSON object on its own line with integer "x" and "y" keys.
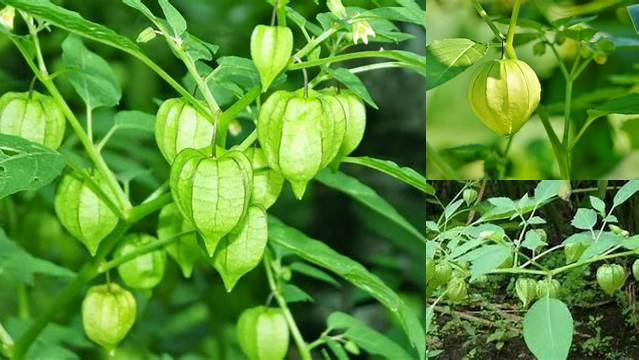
{"x": 229, "y": 114}
{"x": 302, "y": 347}
{"x": 482, "y": 13}
{"x": 314, "y": 43}
{"x": 389, "y": 54}
{"x": 246, "y": 143}
{"x": 591, "y": 260}
{"x": 510, "y": 38}
{"x": 142, "y": 250}
{"x": 557, "y": 147}
{"x": 567, "y": 104}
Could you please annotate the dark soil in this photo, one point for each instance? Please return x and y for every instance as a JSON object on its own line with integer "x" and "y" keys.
{"x": 624, "y": 341}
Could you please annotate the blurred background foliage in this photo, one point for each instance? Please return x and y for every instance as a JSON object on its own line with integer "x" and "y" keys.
{"x": 196, "y": 317}
{"x": 609, "y": 149}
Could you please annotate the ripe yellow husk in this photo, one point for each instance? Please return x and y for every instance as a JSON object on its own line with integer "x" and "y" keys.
{"x": 504, "y": 94}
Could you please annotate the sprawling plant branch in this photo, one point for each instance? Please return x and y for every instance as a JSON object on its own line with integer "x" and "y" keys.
{"x": 302, "y": 347}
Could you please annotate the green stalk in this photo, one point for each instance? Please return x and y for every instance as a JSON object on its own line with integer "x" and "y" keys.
{"x": 358, "y": 55}
{"x": 557, "y": 147}
{"x": 482, "y": 13}
{"x": 433, "y": 156}
{"x": 142, "y": 250}
{"x": 229, "y": 114}
{"x": 510, "y": 38}
{"x": 302, "y": 347}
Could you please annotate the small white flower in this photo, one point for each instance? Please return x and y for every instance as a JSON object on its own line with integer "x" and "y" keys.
{"x": 6, "y": 17}
{"x": 362, "y": 30}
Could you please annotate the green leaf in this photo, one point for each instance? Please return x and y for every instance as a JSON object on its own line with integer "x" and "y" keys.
{"x": 25, "y": 165}
{"x": 605, "y": 242}
{"x": 173, "y": 17}
{"x": 585, "y": 219}
{"x": 405, "y": 174}
{"x": 137, "y": 120}
{"x": 353, "y": 83}
{"x": 548, "y": 329}
{"x": 313, "y": 272}
{"x": 370, "y": 340}
{"x": 74, "y": 22}
{"x": 90, "y": 75}
{"x": 398, "y": 14}
{"x": 367, "y": 197}
{"x": 547, "y": 189}
{"x": 625, "y": 192}
{"x": 598, "y": 205}
{"x": 337, "y": 349}
{"x": 486, "y": 259}
{"x": 448, "y": 58}
{"x": 17, "y": 264}
{"x": 320, "y": 254}
{"x": 293, "y": 294}
{"x": 626, "y": 105}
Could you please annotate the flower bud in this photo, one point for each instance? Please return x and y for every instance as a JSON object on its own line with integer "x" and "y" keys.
{"x": 146, "y": 35}
{"x": 504, "y": 94}
{"x": 7, "y": 14}
{"x": 33, "y": 116}
{"x": 611, "y": 277}
{"x": 618, "y": 231}
{"x": 337, "y": 8}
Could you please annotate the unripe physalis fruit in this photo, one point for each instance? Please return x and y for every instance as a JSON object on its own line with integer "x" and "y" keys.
{"x": 504, "y": 94}
{"x": 456, "y": 289}
{"x": 611, "y": 277}
{"x": 635, "y": 269}
{"x": 271, "y": 49}
{"x": 573, "y": 251}
{"x": 263, "y": 333}
{"x": 548, "y": 287}
{"x": 526, "y": 290}
{"x": 143, "y": 272}
{"x": 241, "y": 250}
{"x": 108, "y": 313}
{"x": 430, "y": 270}
{"x": 212, "y": 193}
{"x": 85, "y": 215}
{"x": 178, "y": 126}
{"x": 185, "y": 250}
{"x": 469, "y": 195}
{"x": 355, "y": 112}
{"x": 34, "y": 116}
{"x": 267, "y": 183}
{"x": 618, "y": 231}
{"x": 300, "y": 134}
